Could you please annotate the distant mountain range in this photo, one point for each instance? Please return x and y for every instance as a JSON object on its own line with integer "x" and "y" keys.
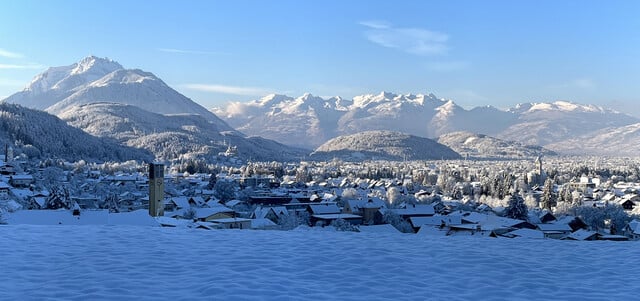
{"x": 308, "y": 121}
{"x": 139, "y": 110}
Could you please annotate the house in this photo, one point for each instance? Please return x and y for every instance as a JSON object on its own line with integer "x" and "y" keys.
{"x": 214, "y": 214}
{"x": 263, "y": 224}
{"x": 573, "y": 221}
{"x": 526, "y": 233}
{"x": 546, "y": 217}
{"x": 4, "y": 190}
{"x": 355, "y": 206}
{"x": 326, "y": 219}
{"x": 495, "y": 224}
{"x": 21, "y": 180}
{"x": 554, "y": 230}
{"x": 442, "y": 221}
{"x": 323, "y": 208}
{"x": 410, "y": 210}
{"x": 177, "y": 203}
{"x": 36, "y": 202}
{"x": 474, "y": 230}
{"x": 629, "y": 201}
{"x": 613, "y": 237}
{"x": 233, "y": 223}
{"x": 582, "y": 234}
{"x": 366, "y": 208}
{"x": 7, "y": 169}
{"x": 272, "y": 213}
{"x": 632, "y": 230}
{"x": 196, "y": 201}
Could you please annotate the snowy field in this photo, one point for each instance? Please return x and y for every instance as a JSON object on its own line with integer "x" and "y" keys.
{"x": 95, "y": 262}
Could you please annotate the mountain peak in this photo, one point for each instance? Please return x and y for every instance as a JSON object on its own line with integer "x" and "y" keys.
{"x": 105, "y": 65}
{"x": 387, "y": 95}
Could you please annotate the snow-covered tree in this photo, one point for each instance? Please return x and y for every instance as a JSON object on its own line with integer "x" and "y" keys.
{"x": 343, "y": 225}
{"x": 548, "y": 198}
{"x": 516, "y": 208}
{"x": 596, "y": 217}
{"x": 224, "y": 190}
{"x": 212, "y": 181}
{"x": 397, "y": 221}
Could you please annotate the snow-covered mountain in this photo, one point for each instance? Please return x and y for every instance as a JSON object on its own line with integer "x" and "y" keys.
{"x": 549, "y": 123}
{"x": 616, "y": 141}
{"x": 487, "y": 147}
{"x": 308, "y": 121}
{"x": 384, "y": 145}
{"x": 40, "y": 135}
{"x": 171, "y": 136}
{"x": 96, "y": 79}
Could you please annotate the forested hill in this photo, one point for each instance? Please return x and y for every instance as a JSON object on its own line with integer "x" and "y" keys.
{"x": 38, "y": 134}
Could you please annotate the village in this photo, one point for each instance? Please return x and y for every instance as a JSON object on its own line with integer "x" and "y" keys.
{"x": 561, "y": 198}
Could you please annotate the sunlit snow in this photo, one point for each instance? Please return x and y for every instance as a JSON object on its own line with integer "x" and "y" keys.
{"x": 144, "y": 263}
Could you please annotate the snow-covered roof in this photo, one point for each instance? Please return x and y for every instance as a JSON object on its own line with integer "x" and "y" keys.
{"x": 231, "y": 220}
{"x": 581, "y": 234}
{"x": 181, "y": 202}
{"x": 262, "y": 223}
{"x": 209, "y": 211}
{"x": 415, "y": 210}
{"x": 435, "y": 220}
{"x": 336, "y": 216}
{"x": 528, "y": 233}
{"x": 326, "y": 208}
{"x": 561, "y": 227}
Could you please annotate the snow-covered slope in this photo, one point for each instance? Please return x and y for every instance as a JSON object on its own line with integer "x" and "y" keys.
{"x": 120, "y": 263}
{"x": 96, "y": 79}
{"x": 549, "y": 123}
{"x": 385, "y": 145}
{"x": 617, "y": 141}
{"x": 170, "y": 136}
{"x": 483, "y": 146}
{"x": 46, "y": 136}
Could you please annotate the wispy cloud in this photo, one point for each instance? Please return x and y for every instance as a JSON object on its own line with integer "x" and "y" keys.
{"x": 578, "y": 83}
{"x": 235, "y": 90}
{"x": 21, "y": 66}
{"x": 417, "y": 41}
{"x": 188, "y": 51}
{"x": 9, "y": 54}
{"x": 376, "y": 24}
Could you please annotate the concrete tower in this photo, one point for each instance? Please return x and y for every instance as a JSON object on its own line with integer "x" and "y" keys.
{"x": 156, "y": 189}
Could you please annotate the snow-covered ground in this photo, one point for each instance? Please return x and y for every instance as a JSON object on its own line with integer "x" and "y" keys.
{"x": 92, "y": 262}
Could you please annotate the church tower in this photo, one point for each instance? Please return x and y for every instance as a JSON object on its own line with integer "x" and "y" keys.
{"x": 156, "y": 189}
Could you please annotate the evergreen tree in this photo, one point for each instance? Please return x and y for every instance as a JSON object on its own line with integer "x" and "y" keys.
{"x": 516, "y": 208}
{"x": 548, "y": 198}
{"x": 212, "y": 181}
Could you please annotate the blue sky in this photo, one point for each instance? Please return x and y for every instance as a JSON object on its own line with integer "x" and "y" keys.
{"x": 474, "y": 52}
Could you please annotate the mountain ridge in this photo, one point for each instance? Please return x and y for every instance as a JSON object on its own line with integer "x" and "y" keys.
{"x": 287, "y": 120}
